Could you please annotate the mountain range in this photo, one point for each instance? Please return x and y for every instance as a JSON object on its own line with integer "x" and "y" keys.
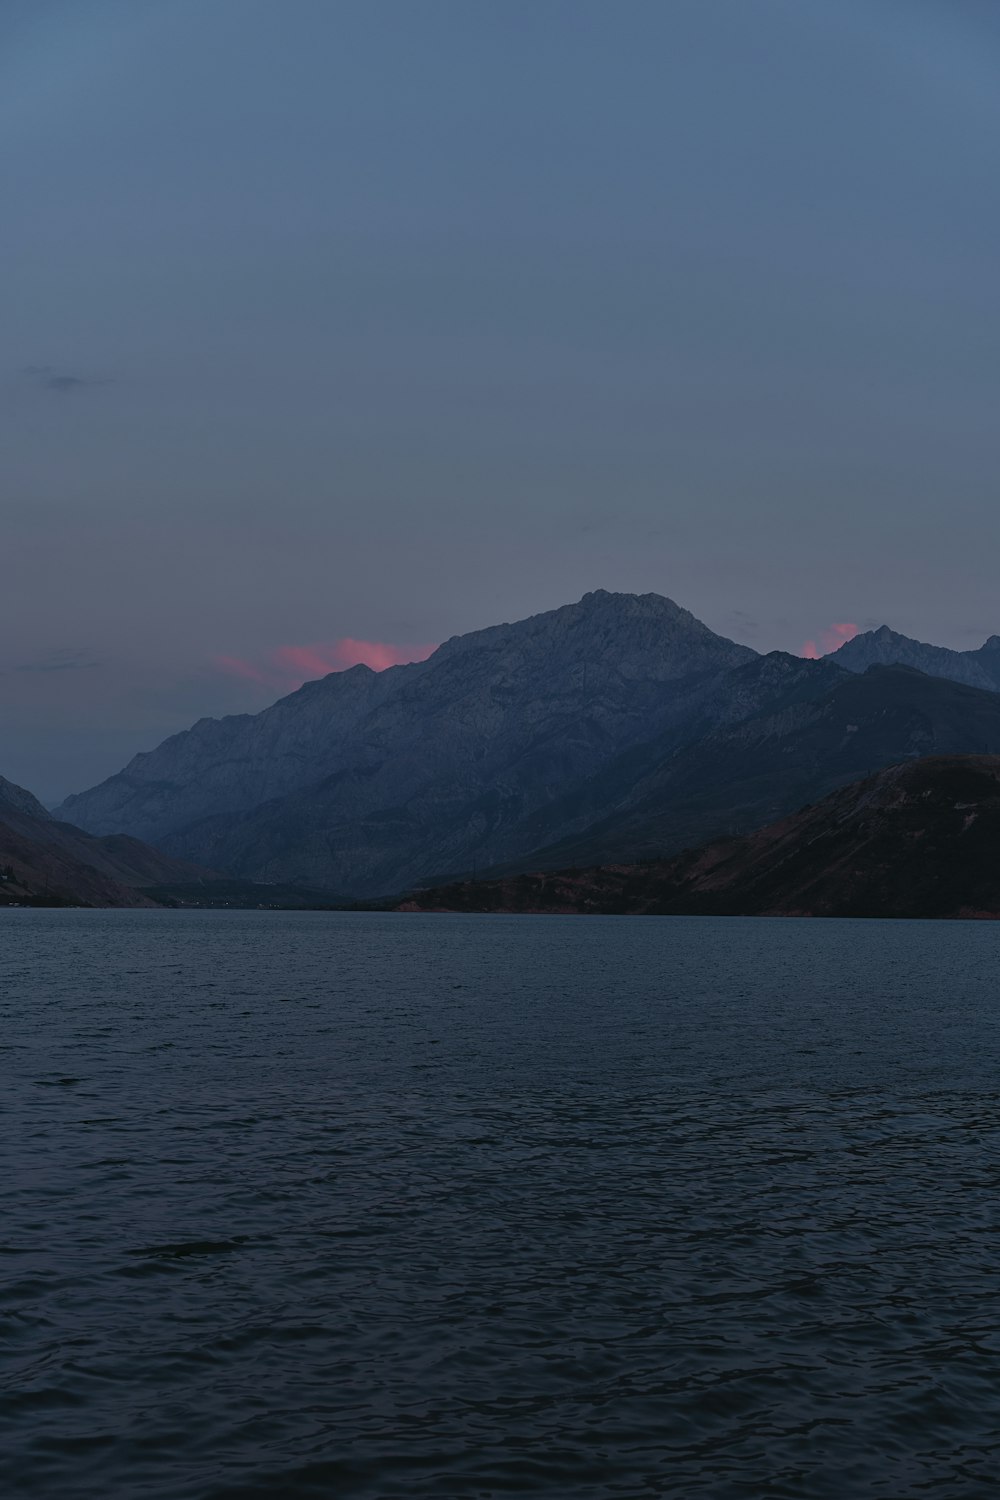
{"x": 614, "y": 728}
{"x": 914, "y": 840}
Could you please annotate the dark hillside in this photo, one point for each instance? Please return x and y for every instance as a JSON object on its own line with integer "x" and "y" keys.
{"x": 745, "y": 775}
{"x": 915, "y": 840}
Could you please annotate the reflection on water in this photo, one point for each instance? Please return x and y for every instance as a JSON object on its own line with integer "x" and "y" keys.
{"x": 372, "y": 1206}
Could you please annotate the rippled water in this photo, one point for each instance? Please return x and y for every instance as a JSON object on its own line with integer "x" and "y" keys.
{"x": 371, "y": 1206}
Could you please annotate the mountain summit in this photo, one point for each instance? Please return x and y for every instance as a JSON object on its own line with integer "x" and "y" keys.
{"x": 886, "y": 648}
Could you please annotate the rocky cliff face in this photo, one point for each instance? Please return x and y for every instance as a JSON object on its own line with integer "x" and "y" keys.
{"x": 884, "y": 647}
{"x": 363, "y": 778}
{"x": 915, "y": 840}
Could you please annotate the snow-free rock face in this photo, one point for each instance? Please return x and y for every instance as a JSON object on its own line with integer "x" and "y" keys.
{"x": 361, "y": 776}
{"x": 886, "y": 648}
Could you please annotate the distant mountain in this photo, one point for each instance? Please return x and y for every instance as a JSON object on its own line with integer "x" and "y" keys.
{"x": 914, "y": 840}
{"x": 362, "y": 781}
{"x": 47, "y": 862}
{"x": 884, "y": 647}
{"x": 798, "y": 748}
{"x": 615, "y": 728}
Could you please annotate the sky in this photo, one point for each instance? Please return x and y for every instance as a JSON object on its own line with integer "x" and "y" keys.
{"x": 333, "y": 328}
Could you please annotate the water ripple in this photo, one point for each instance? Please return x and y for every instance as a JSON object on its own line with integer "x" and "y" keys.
{"x": 467, "y": 1207}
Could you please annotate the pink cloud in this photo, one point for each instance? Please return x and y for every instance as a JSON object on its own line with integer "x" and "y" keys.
{"x": 286, "y": 667}
{"x": 832, "y": 637}
{"x": 304, "y": 662}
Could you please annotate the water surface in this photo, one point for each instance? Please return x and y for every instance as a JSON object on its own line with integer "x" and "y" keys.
{"x": 327, "y": 1205}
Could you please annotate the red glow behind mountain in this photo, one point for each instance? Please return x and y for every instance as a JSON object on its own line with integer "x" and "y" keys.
{"x": 288, "y": 667}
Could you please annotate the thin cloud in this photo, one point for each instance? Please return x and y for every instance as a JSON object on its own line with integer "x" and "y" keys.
{"x": 65, "y": 659}
{"x": 831, "y": 639}
{"x": 61, "y": 382}
{"x": 743, "y": 623}
{"x": 235, "y": 666}
{"x": 288, "y": 667}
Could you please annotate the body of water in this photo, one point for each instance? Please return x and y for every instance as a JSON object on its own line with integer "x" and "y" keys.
{"x": 330, "y": 1205}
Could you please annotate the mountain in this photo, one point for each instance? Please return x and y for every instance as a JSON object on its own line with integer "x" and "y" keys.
{"x": 363, "y": 781}
{"x": 48, "y": 862}
{"x": 801, "y": 746}
{"x": 914, "y": 840}
{"x": 15, "y": 798}
{"x": 884, "y": 647}
{"x": 616, "y": 728}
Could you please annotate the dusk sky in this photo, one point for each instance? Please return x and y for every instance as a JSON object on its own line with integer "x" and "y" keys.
{"x": 333, "y": 328}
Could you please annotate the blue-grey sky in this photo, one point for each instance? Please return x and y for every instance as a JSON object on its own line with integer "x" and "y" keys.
{"x": 383, "y": 320}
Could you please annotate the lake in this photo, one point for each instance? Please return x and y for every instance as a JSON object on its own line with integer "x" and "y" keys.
{"x": 323, "y": 1204}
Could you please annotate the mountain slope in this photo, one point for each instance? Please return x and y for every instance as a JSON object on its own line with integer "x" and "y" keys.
{"x": 884, "y": 647}
{"x": 43, "y": 859}
{"x": 724, "y": 769}
{"x": 17, "y": 799}
{"x": 361, "y": 777}
{"x": 746, "y": 774}
{"x": 451, "y": 820}
{"x": 914, "y": 840}
{"x": 777, "y": 686}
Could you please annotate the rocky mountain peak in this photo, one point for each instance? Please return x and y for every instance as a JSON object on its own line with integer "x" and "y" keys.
{"x": 885, "y": 647}
{"x": 608, "y": 627}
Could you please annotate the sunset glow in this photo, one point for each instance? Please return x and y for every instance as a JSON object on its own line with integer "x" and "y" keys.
{"x": 830, "y": 639}
{"x": 288, "y": 667}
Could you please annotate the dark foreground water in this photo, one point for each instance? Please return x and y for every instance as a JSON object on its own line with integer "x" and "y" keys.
{"x": 372, "y": 1206}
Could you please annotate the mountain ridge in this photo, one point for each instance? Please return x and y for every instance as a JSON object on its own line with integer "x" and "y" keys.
{"x": 885, "y": 647}
{"x": 616, "y": 726}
